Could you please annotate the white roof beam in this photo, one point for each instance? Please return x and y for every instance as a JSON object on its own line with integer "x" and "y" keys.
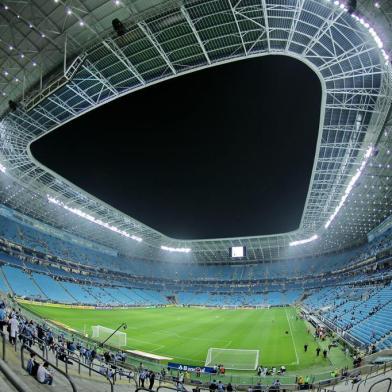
{"x": 195, "y": 32}
{"x": 150, "y": 36}
{"x": 112, "y": 46}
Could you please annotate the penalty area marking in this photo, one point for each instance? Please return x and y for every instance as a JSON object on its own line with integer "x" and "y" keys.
{"x": 292, "y": 338}
{"x": 157, "y": 346}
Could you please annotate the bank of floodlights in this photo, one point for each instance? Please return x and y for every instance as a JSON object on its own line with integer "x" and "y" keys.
{"x": 90, "y": 218}
{"x": 179, "y": 250}
{"x": 350, "y": 186}
{"x": 304, "y": 241}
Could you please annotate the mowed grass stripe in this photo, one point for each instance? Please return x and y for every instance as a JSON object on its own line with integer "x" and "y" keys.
{"x": 186, "y": 334}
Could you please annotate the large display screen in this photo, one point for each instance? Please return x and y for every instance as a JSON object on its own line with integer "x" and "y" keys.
{"x": 237, "y": 251}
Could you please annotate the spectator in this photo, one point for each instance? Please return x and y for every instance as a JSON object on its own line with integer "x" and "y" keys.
{"x": 257, "y": 388}
{"x": 180, "y": 383}
{"x": 110, "y": 373}
{"x": 213, "y": 386}
{"x": 3, "y": 317}
{"x": 152, "y": 380}
{"x": 43, "y": 374}
{"x": 356, "y": 379}
{"x": 13, "y": 324}
{"x": 300, "y": 381}
{"x": 102, "y": 369}
{"x": 221, "y": 387}
{"x": 30, "y": 363}
{"x": 93, "y": 354}
{"x": 142, "y": 377}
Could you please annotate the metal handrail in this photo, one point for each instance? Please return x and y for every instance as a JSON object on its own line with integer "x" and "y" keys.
{"x": 24, "y": 347}
{"x": 171, "y": 388}
{"x": 2, "y": 334}
{"x": 361, "y": 382}
{"x": 380, "y": 381}
{"x": 123, "y": 373}
{"x": 371, "y": 374}
{"x": 34, "y": 339}
{"x": 90, "y": 369}
{"x": 68, "y": 355}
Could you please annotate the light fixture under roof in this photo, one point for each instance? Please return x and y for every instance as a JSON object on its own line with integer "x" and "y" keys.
{"x": 304, "y": 241}
{"x": 90, "y": 218}
{"x": 179, "y": 250}
{"x": 350, "y": 186}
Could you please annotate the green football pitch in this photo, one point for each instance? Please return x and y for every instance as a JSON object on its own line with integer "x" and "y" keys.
{"x": 186, "y": 334}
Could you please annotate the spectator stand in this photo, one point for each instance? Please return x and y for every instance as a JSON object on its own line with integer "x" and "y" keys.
{"x": 52, "y": 357}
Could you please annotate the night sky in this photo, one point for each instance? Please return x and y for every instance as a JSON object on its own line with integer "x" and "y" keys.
{"x": 222, "y": 152}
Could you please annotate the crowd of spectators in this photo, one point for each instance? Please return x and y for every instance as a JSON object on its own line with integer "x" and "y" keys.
{"x": 31, "y": 333}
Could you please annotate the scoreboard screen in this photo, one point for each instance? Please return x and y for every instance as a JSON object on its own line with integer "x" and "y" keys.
{"x": 237, "y": 252}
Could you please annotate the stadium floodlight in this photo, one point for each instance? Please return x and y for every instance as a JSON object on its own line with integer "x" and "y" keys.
{"x": 180, "y": 250}
{"x": 2, "y": 168}
{"x": 350, "y": 186}
{"x": 304, "y": 241}
{"x": 90, "y": 218}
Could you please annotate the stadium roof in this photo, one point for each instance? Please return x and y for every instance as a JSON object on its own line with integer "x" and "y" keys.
{"x": 349, "y": 192}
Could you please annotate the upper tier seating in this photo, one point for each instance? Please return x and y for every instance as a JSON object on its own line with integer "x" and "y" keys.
{"x": 41, "y": 242}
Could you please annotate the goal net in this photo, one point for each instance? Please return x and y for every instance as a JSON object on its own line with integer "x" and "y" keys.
{"x": 100, "y": 333}
{"x": 236, "y": 359}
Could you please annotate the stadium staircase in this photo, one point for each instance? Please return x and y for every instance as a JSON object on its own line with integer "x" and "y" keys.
{"x": 45, "y": 296}
{"x": 386, "y": 339}
{"x": 125, "y": 292}
{"x": 304, "y": 296}
{"x": 114, "y": 300}
{"x": 7, "y": 283}
{"x": 142, "y": 296}
{"x": 67, "y": 291}
{"x": 92, "y": 294}
{"x": 172, "y": 299}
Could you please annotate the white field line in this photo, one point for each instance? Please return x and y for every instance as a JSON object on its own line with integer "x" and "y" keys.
{"x": 228, "y": 344}
{"x": 292, "y": 338}
{"x": 158, "y": 346}
{"x": 166, "y": 332}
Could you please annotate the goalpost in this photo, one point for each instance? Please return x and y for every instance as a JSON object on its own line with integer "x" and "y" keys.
{"x": 101, "y": 333}
{"x": 230, "y": 358}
